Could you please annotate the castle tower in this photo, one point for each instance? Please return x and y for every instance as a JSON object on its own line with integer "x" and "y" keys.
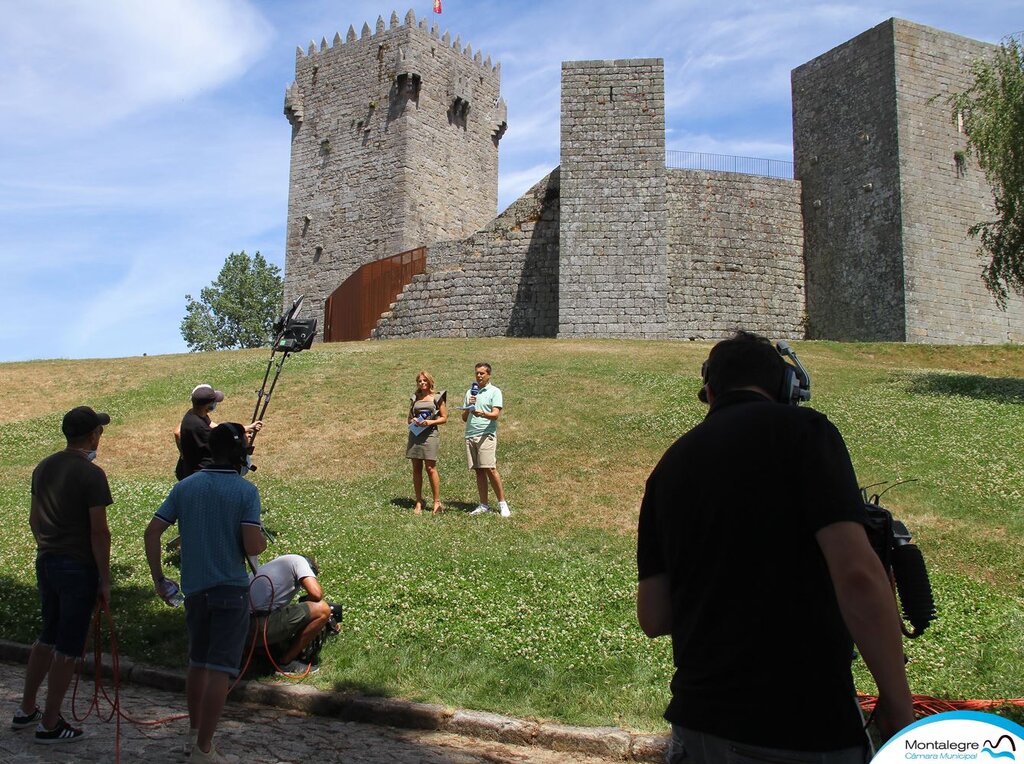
{"x": 887, "y": 198}
{"x": 612, "y": 275}
{"x": 394, "y": 146}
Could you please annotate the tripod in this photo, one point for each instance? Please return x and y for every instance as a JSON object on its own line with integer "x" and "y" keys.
{"x": 290, "y": 336}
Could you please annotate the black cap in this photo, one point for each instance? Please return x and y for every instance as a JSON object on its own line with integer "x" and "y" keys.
{"x": 206, "y": 394}
{"x": 82, "y": 420}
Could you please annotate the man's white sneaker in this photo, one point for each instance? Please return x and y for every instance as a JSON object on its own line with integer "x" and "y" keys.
{"x": 214, "y": 756}
{"x": 503, "y": 507}
{"x": 481, "y": 509}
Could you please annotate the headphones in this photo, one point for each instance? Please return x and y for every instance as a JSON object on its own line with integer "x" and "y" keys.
{"x": 796, "y": 381}
{"x": 239, "y": 441}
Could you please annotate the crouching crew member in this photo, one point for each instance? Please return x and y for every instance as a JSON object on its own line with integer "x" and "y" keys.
{"x": 288, "y": 627}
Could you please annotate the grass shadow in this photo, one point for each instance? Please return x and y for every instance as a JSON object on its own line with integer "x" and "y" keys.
{"x": 449, "y": 506}
{"x": 980, "y": 387}
{"x": 352, "y": 687}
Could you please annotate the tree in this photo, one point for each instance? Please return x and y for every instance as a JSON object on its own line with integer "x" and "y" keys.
{"x": 992, "y": 114}
{"x": 238, "y": 309}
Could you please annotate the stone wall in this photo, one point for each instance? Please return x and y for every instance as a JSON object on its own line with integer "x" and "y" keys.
{"x": 886, "y": 206}
{"x": 946, "y": 298}
{"x": 735, "y": 255}
{"x": 394, "y": 146}
{"x": 613, "y": 279}
{"x": 502, "y": 281}
{"x": 845, "y": 150}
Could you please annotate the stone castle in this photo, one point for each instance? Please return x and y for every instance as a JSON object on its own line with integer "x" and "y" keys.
{"x": 395, "y": 136}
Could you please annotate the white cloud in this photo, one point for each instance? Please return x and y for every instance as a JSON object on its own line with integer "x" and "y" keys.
{"x": 73, "y": 65}
{"x": 514, "y": 184}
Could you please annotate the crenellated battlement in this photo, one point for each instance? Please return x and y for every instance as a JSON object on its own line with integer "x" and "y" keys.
{"x": 382, "y": 29}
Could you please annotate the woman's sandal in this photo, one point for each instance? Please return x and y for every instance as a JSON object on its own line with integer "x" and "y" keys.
{"x": 418, "y": 509}
{"x": 438, "y": 509}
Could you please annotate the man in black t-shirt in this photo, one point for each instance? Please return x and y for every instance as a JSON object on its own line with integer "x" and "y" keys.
{"x": 752, "y": 554}
{"x": 70, "y": 496}
{"x": 192, "y": 436}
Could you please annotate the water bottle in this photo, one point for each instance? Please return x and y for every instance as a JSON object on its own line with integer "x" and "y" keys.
{"x": 423, "y": 415}
{"x": 171, "y": 593}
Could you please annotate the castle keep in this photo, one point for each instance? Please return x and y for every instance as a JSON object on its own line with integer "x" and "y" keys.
{"x": 394, "y": 147}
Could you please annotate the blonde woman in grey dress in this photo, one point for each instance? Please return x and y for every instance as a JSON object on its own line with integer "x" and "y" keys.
{"x": 423, "y": 448}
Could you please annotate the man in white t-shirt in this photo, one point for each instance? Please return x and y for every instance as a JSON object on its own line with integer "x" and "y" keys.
{"x": 286, "y": 628}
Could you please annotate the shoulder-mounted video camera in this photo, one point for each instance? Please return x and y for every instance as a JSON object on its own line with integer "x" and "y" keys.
{"x": 903, "y": 562}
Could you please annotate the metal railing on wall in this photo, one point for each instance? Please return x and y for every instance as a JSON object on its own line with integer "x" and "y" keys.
{"x": 695, "y": 160}
{"x": 354, "y": 308}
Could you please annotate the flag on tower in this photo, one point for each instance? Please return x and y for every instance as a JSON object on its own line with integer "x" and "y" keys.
{"x": 437, "y": 6}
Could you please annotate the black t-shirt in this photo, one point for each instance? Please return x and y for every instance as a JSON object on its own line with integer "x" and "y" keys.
{"x": 65, "y": 487}
{"x": 195, "y": 444}
{"x": 761, "y": 652}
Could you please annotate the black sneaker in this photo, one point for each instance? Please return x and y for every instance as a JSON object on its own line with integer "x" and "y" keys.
{"x": 22, "y": 720}
{"x": 62, "y": 733}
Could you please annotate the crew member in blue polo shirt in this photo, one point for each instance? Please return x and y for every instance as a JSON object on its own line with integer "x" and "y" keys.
{"x": 218, "y": 514}
{"x": 481, "y": 414}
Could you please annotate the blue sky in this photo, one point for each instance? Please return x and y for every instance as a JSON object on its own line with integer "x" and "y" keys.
{"x": 144, "y": 140}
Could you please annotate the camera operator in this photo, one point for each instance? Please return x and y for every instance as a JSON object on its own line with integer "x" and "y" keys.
{"x": 288, "y": 627}
{"x": 192, "y": 436}
{"x": 752, "y": 554}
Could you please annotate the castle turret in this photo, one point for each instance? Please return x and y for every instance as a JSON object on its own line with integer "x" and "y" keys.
{"x": 612, "y": 275}
{"x": 887, "y": 195}
{"x": 394, "y": 146}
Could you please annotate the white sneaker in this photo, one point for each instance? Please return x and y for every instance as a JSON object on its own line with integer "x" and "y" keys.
{"x": 214, "y": 756}
{"x": 190, "y": 741}
{"x": 481, "y": 509}
{"x": 505, "y": 511}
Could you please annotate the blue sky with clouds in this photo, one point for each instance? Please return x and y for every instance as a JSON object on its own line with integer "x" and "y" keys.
{"x": 142, "y": 141}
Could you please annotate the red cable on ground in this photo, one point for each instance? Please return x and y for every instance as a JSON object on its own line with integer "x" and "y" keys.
{"x": 926, "y": 705}
{"x": 103, "y": 612}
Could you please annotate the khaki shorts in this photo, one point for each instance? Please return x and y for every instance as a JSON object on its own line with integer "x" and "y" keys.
{"x": 283, "y": 625}
{"x": 482, "y": 451}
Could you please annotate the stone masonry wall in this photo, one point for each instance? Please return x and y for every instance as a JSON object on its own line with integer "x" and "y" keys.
{"x": 502, "y": 281}
{"x": 394, "y": 146}
{"x": 845, "y": 149}
{"x": 735, "y": 255}
{"x": 613, "y": 279}
{"x": 946, "y": 298}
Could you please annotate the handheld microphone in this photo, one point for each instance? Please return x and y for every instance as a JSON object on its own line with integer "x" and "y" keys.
{"x": 474, "y": 389}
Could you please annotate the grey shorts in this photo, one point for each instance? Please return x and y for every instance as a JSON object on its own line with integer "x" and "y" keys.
{"x": 217, "y": 620}
{"x": 482, "y": 451}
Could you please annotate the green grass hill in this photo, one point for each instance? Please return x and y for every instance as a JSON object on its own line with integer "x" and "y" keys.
{"x": 531, "y": 615}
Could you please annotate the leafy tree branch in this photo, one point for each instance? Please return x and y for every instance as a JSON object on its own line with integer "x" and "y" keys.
{"x": 238, "y": 309}
{"x": 992, "y": 114}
